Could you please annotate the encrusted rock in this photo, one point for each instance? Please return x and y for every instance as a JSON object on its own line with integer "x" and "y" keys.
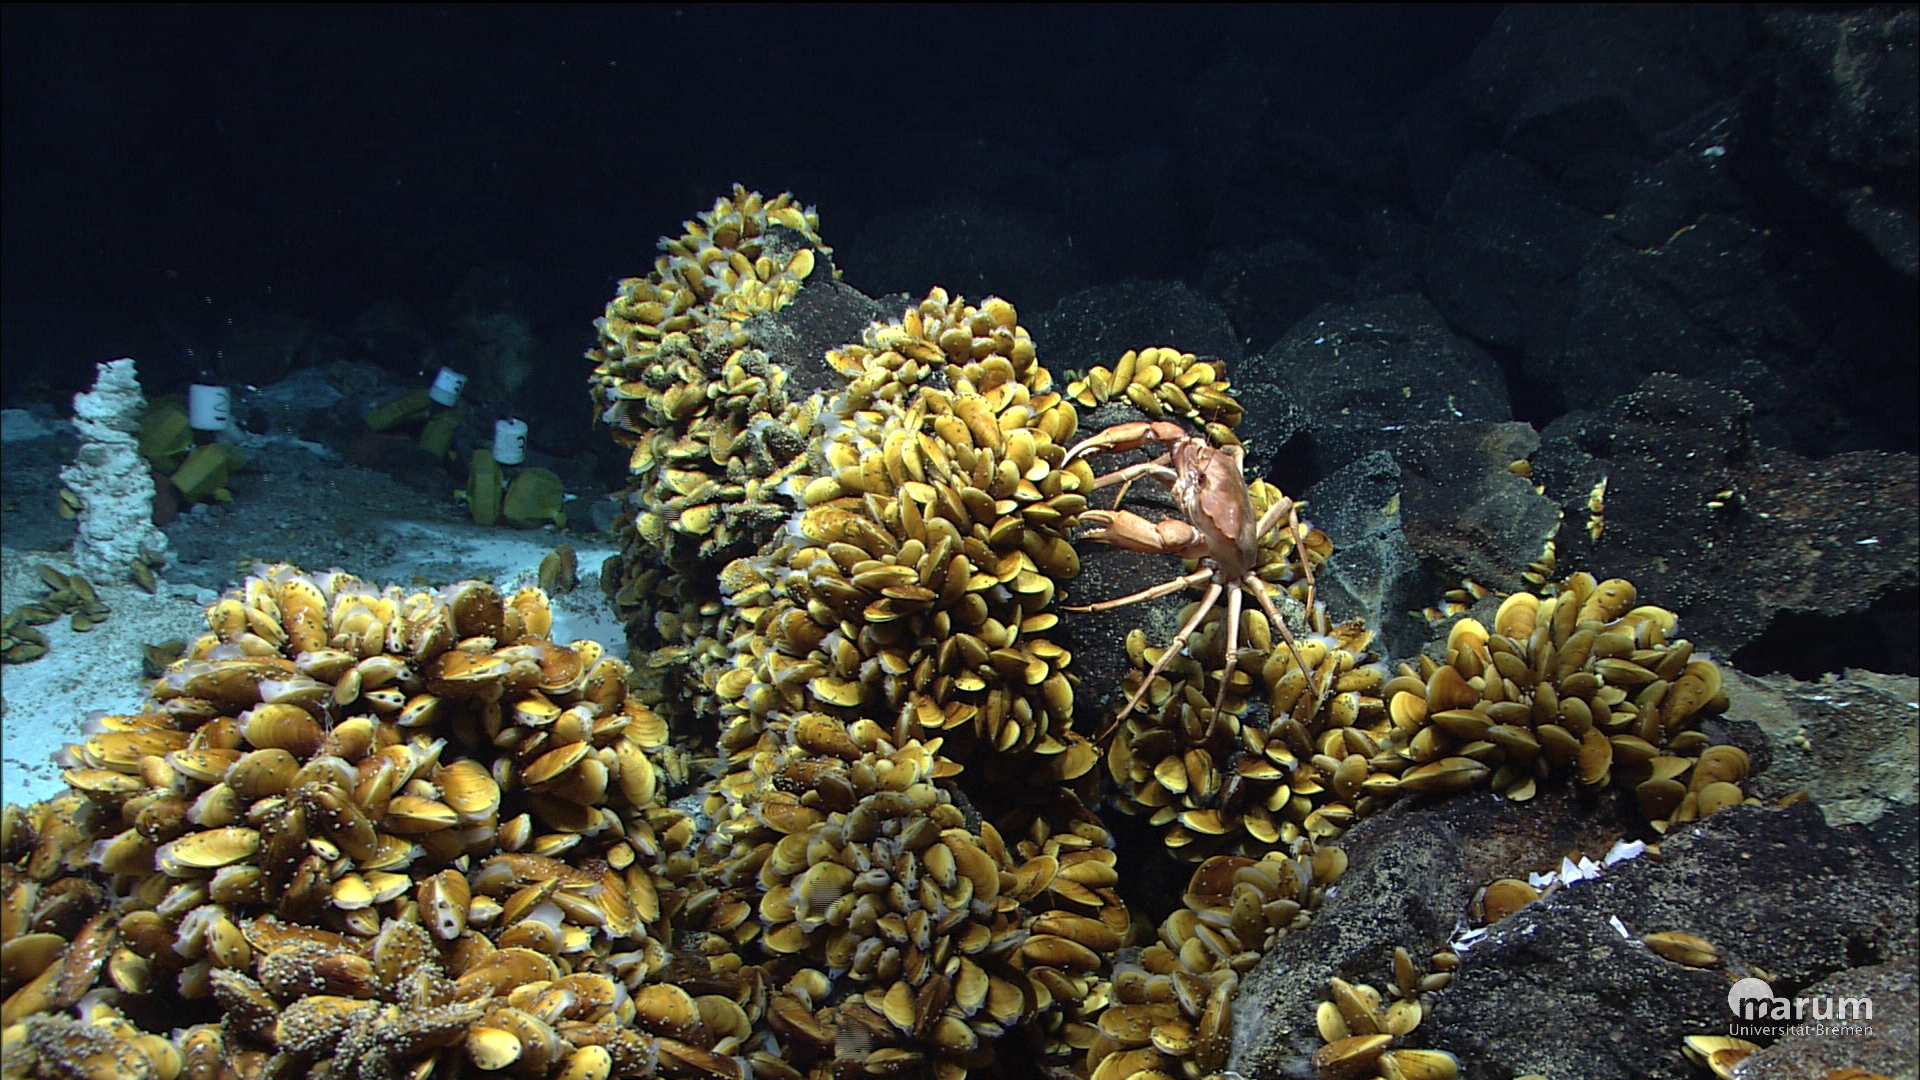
{"x": 1849, "y": 742}
{"x": 113, "y": 482}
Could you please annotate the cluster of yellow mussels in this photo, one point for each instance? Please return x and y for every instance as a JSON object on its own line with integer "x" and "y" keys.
{"x": 372, "y": 826}
{"x": 1170, "y": 1011}
{"x": 383, "y": 834}
{"x": 911, "y": 938}
{"x": 903, "y": 606}
{"x": 1584, "y": 681}
{"x": 1365, "y": 1031}
{"x": 898, "y": 620}
{"x": 916, "y": 584}
{"x": 67, "y": 594}
{"x": 1580, "y": 681}
{"x": 713, "y": 433}
{"x": 897, "y": 626}
{"x": 1162, "y": 383}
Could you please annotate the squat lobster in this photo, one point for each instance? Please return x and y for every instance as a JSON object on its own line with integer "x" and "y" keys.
{"x": 1220, "y": 531}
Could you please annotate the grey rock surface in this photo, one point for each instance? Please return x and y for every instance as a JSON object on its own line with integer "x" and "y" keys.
{"x": 1412, "y": 874}
{"x": 1374, "y": 573}
{"x": 1888, "y": 1050}
{"x": 1410, "y": 522}
{"x": 1465, "y": 509}
{"x": 1851, "y": 742}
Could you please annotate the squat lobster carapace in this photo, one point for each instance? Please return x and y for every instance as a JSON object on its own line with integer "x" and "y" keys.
{"x": 1220, "y": 530}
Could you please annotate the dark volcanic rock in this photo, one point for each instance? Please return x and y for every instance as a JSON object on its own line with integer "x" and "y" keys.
{"x": 825, "y": 315}
{"x": 1789, "y": 535}
{"x": 1358, "y": 373}
{"x": 1095, "y": 326}
{"x": 1413, "y": 871}
{"x": 1700, "y": 302}
{"x": 1691, "y": 181}
{"x": 1374, "y": 573}
{"x": 1273, "y": 421}
{"x": 1410, "y": 523}
{"x": 970, "y": 250}
{"x": 1269, "y": 288}
{"x": 1465, "y": 508}
{"x": 1585, "y": 95}
{"x": 1096, "y": 637}
{"x": 1571, "y": 84}
{"x": 1507, "y": 249}
{"x": 1621, "y": 191}
{"x": 1888, "y": 1051}
{"x": 1774, "y": 889}
{"x": 1405, "y": 886}
{"x": 1844, "y": 118}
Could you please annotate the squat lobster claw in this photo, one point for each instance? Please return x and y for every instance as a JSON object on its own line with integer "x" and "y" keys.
{"x": 1220, "y": 530}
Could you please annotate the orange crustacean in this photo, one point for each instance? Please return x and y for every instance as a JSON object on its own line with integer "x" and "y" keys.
{"x": 1220, "y": 531}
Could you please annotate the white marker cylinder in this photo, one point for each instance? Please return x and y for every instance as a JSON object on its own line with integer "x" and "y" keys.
{"x": 446, "y": 387}
{"x": 209, "y": 408}
{"x": 509, "y": 441}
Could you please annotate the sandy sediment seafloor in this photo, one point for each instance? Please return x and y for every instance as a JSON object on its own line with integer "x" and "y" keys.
{"x": 46, "y": 701}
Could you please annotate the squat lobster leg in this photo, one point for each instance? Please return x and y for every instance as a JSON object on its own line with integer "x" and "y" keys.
{"x": 1132, "y": 436}
{"x": 1157, "y": 468}
{"x": 1155, "y": 592}
{"x": 1258, "y": 587}
{"x": 1268, "y": 520}
{"x": 1232, "y": 662}
{"x": 1173, "y": 647}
